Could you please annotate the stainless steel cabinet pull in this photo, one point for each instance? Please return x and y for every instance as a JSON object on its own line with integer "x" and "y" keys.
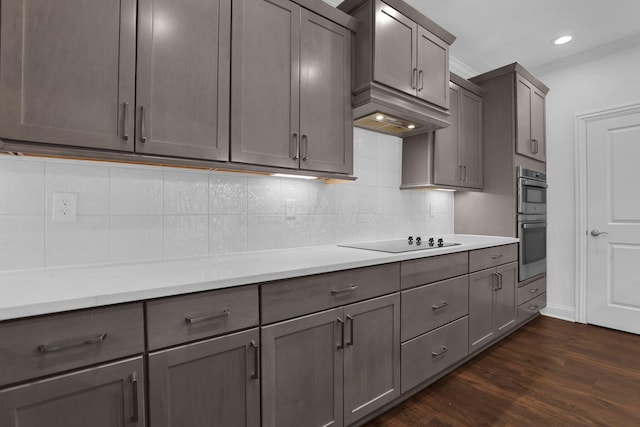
{"x": 351, "y": 288}
{"x": 534, "y": 225}
{"x": 532, "y": 146}
{"x": 533, "y": 307}
{"x": 414, "y": 79}
{"x": 443, "y": 304}
{"x": 192, "y": 320}
{"x": 441, "y": 352}
{"x": 464, "y": 167}
{"x": 498, "y": 256}
{"x": 421, "y": 74}
{"x": 533, "y": 291}
{"x": 65, "y": 345}
{"x": 256, "y": 355}
{"x": 134, "y": 387}
{"x": 305, "y": 148}
{"x": 350, "y": 330}
{"x": 125, "y": 113}
{"x": 143, "y": 138}
{"x": 499, "y": 281}
{"x": 460, "y": 170}
{"x": 295, "y": 147}
{"x": 497, "y": 288}
{"x": 537, "y": 146}
{"x": 341, "y": 326}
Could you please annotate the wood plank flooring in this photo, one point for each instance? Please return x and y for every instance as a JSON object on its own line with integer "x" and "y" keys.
{"x": 549, "y": 373}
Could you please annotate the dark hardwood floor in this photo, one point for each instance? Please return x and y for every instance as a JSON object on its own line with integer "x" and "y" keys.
{"x": 549, "y": 373}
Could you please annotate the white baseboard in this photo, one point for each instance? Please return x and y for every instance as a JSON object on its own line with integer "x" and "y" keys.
{"x": 559, "y": 312}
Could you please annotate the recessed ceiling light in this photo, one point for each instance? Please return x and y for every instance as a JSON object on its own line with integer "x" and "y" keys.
{"x": 563, "y": 40}
{"x": 411, "y": 126}
{"x": 379, "y": 117}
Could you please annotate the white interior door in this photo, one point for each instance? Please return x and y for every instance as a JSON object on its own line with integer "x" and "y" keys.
{"x": 613, "y": 218}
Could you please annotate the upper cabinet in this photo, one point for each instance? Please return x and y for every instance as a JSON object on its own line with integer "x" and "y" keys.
{"x": 67, "y": 73}
{"x": 401, "y": 68}
{"x": 530, "y": 119}
{"x": 182, "y": 99}
{"x": 290, "y": 92}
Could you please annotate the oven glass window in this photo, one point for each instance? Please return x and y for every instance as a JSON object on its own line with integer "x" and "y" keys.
{"x": 535, "y": 195}
{"x": 534, "y": 241}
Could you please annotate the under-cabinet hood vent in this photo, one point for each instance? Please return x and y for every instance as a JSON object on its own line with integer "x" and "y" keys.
{"x": 386, "y": 124}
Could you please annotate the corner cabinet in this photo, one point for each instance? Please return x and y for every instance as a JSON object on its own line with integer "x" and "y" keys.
{"x": 291, "y": 91}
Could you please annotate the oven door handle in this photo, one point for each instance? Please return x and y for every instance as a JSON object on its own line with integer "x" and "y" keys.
{"x": 534, "y": 225}
{"x": 533, "y": 183}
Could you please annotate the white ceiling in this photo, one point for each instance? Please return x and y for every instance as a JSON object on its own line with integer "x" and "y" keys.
{"x": 493, "y": 33}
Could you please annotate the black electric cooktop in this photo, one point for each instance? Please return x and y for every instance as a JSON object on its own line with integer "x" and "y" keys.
{"x": 401, "y": 245}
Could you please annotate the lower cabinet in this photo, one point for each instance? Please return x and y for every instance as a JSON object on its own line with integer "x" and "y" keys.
{"x": 110, "y": 395}
{"x": 208, "y": 383}
{"x": 333, "y": 367}
{"x": 492, "y": 303}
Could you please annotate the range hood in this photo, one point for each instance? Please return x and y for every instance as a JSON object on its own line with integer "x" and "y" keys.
{"x": 401, "y": 68}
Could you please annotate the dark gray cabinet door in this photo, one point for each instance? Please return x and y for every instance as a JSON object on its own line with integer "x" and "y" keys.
{"x": 209, "y": 383}
{"x": 183, "y": 78}
{"x": 433, "y": 66}
{"x": 302, "y": 371}
{"x": 265, "y": 65}
{"x": 447, "y": 168}
{"x": 530, "y": 120}
{"x": 505, "y": 298}
{"x": 325, "y": 96}
{"x": 470, "y": 147}
{"x": 372, "y": 356}
{"x": 482, "y": 287}
{"x": 395, "y": 61}
{"x": 105, "y": 396}
{"x": 538, "y": 124}
{"x": 67, "y": 72}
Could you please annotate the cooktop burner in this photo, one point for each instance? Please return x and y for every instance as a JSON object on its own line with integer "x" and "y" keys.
{"x": 401, "y": 245}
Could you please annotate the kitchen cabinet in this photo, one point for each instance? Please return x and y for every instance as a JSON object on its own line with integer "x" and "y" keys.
{"x": 451, "y": 157}
{"x": 291, "y": 92}
{"x": 530, "y": 118}
{"x": 532, "y": 298}
{"x": 492, "y": 304}
{"x": 67, "y": 73}
{"x": 212, "y": 382}
{"x": 182, "y": 86}
{"x": 334, "y": 367}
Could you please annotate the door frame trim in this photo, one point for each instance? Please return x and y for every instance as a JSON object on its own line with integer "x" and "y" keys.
{"x": 580, "y": 199}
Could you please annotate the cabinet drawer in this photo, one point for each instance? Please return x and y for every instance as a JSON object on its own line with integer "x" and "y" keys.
{"x": 532, "y": 307}
{"x": 296, "y": 297}
{"x": 490, "y": 257}
{"x": 176, "y": 320}
{"x": 428, "y": 307}
{"x": 428, "y": 354}
{"x": 433, "y": 269}
{"x": 45, "y": 345}
{"x": 532, "y": 290}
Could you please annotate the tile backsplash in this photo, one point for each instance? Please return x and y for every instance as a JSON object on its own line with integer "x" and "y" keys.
{"x": 134, "y": 212}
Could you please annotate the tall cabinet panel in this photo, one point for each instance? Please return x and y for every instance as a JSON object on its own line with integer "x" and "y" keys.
{"x": 183, "y": 78}
{"x": 447, "y": 170}
{"x": 265, "y": 116}
{"x": 470, "y": 139}
{"x": 325, "y": 96}
{"x": 67, "y": 72}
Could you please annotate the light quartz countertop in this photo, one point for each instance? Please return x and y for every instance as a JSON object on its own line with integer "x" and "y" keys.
{"x": 50, "y": 290}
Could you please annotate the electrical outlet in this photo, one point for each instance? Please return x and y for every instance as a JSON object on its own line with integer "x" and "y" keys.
{"x": 64, "y": 207}
{"x": 290, "y": 208}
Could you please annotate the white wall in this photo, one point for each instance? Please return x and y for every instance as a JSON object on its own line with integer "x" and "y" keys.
{"x": 134, "y": 212}
{"x": 611, "y": 81}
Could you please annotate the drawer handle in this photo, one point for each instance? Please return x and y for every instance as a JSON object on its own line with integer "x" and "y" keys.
{"x": 255, "y": 374}
{"x": 533, "y": 291}
{"x": 443, "y": 304}
{"x": 192, "y": 320}
{"x": 440, "y": 353}
{"x": 134, "y": 387}
{"x": 533, "y": 307}
{"x": 340, "y": 291}
{"x": 497, "y": 256}
{"x": 65, "y": 345}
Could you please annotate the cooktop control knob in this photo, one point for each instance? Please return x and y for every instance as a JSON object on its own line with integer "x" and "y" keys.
{"x": 418, "y": 240}
{"x": 410, "y": 240}
{"x": 430, "y": 241}
{"x": 440, "y": 242}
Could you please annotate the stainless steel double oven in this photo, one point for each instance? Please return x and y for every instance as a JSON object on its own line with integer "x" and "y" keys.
{"x": 532, "y": 222}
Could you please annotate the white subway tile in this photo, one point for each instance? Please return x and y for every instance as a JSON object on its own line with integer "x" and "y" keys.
{"x": 366, "y": 225}
{"x": 22, "y": 186}
{"x": 227, "y": 194}
{"x": 185, "y": 193}
{"x": 85, "y": 241}
{"x": 322, "y": 198}
{"x": 365, "y": 143}
{"x": 263, "y": 196}
{"x": 366, "y": 170}
{"x": 135, "y": 191}
{"x": 386, "y": 227}
{"x": 135, "y": 237}
{"x": 388, "y": 175}
{"x": 346, "y": 227}
{"x": 346, "y": 196}
{"x": 367, "y": 200}
{"x": 265, "y": 232}
{"x": 295, "y": 189}
{"x": 185, "y": 235}
{"x": 227, "y": 233}
{"x": 389, "y": 149}
{"x": 90, "y": 182}
{"x": 295, "y": 232}
{"x": 322, "y": 230}
{"x": 21, "y": 242}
